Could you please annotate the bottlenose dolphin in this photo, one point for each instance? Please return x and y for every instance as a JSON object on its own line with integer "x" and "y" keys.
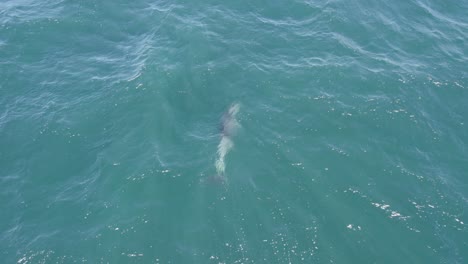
{"x": 229, "y": 124}
{"x": 228, "y": 128}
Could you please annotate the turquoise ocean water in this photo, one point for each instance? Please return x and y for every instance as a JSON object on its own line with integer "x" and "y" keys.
{"x": 351, "y": 142}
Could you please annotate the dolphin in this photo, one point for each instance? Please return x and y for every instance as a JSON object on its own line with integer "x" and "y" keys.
{"x": 228, "y": 128}
{"x": 229, "y": 124}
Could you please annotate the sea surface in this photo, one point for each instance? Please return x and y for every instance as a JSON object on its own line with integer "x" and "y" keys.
{"x": 244, "y": 131}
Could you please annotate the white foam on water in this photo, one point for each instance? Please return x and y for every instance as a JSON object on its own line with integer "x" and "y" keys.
{"x": 224, "y": 147}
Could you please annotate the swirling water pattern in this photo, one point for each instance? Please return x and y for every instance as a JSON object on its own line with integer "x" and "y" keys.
{"x": 353, "y": 147}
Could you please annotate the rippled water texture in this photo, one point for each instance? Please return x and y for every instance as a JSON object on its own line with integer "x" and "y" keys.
{"x": 351, "y": 143}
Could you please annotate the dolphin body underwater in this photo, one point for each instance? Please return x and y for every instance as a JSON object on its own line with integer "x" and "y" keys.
{"x": 228, "y": 127}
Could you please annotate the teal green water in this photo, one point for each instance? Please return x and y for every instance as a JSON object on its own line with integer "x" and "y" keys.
{"x": 352, "y": 146}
